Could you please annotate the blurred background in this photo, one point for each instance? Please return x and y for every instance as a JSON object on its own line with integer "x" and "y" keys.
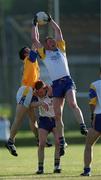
{"x": 80, "y": 24}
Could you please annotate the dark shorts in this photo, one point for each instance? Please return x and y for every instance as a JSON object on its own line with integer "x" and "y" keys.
{"x": 46, "y": 123}
{"x": 97, "y": 123}
{"x": 61, "y": 86}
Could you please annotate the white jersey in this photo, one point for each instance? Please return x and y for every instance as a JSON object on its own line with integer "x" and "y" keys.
{"x": 49, "y": 102}
{"x": 57, "y": 64}
{"x": 55, "y": 61}
{"x": 97, "y": 85}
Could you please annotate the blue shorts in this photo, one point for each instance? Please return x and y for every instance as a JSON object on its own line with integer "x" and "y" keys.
{"x": 97, "y": 123}
{"x": 46, "y": 123}
{"x": 61, "y": 86}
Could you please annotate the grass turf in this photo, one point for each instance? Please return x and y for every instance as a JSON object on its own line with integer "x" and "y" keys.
{"x": 25, "y": 165}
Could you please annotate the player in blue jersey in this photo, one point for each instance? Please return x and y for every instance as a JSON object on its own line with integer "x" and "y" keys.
{"x": 95, "y": 131}
{"x": 54, "y": 57}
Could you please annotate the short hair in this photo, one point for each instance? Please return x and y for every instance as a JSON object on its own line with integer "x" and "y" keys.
{"x": 48, "y": 37}
{"x": 39, "y": 84}
{"x": 22, "y": 53}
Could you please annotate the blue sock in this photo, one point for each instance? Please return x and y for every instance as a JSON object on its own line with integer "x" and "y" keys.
{"x": 62, "y": 140}
{"x": 40, "y": 166}
{"x": 87, "y": 170}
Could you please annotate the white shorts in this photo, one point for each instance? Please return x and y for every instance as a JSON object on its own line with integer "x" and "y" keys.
{"x": 24, "y": 95}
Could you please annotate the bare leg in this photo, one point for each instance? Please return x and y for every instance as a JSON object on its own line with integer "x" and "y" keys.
{"x": 56, "y": 137}
{"x": 71, "y": 100}
{"x": 20, "y": 112}
{"x": 57, "y": 168}
{"x": 58, "y": 104}
{"x": 33, "y": 122}
{"x": 42, "y": 141}
{"x": 91, "y": 139}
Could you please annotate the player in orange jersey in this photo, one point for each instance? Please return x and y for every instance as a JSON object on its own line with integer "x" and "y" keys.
{"x": 31, "y": 73}
{"x": 24, "y": 95}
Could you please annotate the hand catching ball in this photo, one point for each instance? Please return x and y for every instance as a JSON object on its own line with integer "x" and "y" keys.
{"x": 42, "y": 18}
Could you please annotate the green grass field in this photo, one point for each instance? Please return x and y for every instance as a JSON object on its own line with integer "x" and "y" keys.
{"x": 25, "y": 165}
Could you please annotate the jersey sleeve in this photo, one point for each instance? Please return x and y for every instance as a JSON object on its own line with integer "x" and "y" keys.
{"x": 61, "y": 45}
{"x": 33, "y": 56}
{"x": 41, "y": 52}
{"x": 92, "y": 95}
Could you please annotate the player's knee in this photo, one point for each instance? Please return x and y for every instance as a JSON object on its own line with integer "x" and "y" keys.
{"x": 42, "y": 144}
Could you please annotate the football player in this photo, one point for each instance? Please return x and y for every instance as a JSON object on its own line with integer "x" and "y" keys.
{"x": 95, "y": 131}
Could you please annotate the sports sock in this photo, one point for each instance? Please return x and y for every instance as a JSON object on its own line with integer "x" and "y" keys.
{"x": 87, "y": 170}
{"x": 10, "y": 141}
{"x": 62, "y": 141}
{"x": 57, "y": 163}
{"x": 40, "y": 166}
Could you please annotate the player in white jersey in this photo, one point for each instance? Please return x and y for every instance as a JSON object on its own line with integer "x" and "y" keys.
{"x": 43, "y": 99}
{"x": 53, "y": 55}
{"x": 95, "y": 131}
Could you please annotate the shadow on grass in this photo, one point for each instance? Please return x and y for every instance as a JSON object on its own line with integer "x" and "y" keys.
{"x": 31, "y": 141}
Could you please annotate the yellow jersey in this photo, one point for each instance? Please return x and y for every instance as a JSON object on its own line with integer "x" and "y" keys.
{"x": 31, "y": 72}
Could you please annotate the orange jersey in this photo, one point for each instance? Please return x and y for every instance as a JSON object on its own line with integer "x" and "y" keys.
{"x": 31, "y": 73}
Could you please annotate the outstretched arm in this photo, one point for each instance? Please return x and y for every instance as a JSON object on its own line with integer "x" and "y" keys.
{"x": 35, "y": 36}
{"x": 57, "y": 29}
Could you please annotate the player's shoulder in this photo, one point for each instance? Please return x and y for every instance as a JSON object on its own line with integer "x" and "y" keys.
{"x": 61, "y": 45}
{"x": 61, "y": 41}
{"x": 96, "y": 83}
{"x": 41, "y": 52}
